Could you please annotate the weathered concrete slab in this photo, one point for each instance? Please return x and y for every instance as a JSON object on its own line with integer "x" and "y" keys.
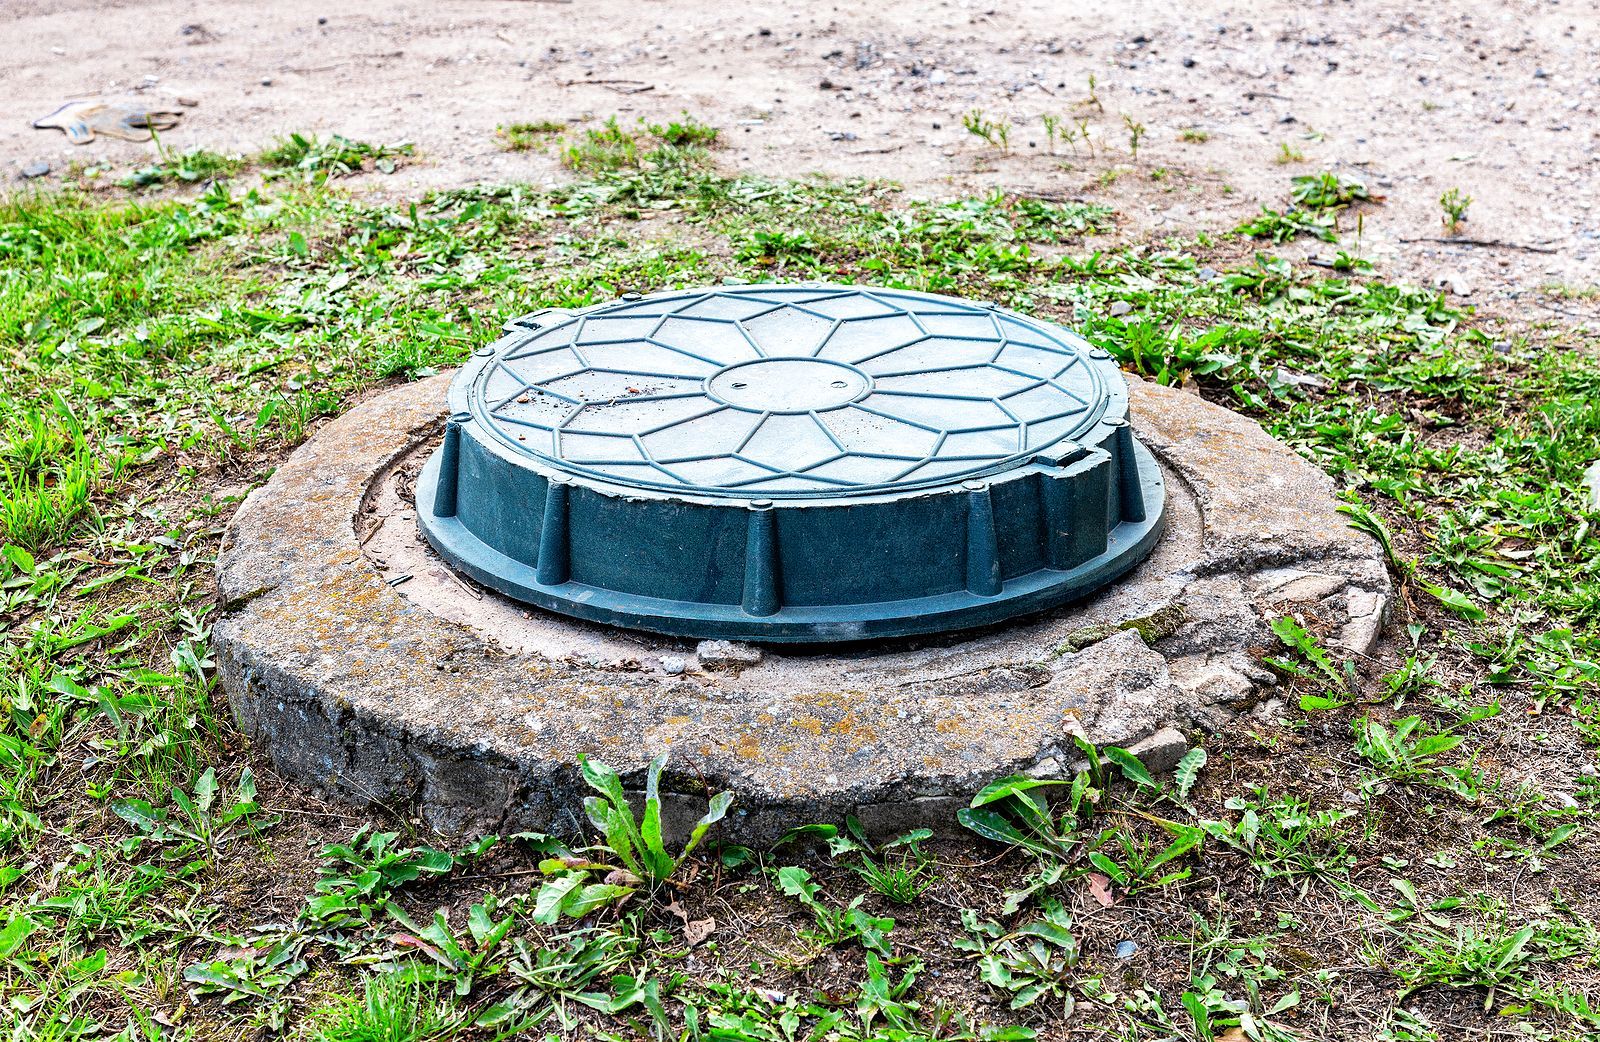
{"x": 431, "y": 696}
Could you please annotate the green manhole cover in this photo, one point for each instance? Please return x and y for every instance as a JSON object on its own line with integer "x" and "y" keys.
{"x": 790, "y": 463}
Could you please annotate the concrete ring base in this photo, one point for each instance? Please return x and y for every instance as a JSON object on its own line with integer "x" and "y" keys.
{"x": 363, "y": 667}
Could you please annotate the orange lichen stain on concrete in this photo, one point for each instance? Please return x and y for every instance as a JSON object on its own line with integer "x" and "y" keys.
{"x": 364, "y": 596}
{"x": 677, "y": 721}
{"x": 835, "y": 699}
{"x": 856, "y": 733}
{"x": 807, "y": 723}
{"x": 747, "y": 746}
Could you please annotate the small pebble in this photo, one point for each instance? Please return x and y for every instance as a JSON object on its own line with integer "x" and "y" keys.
{"x": 1120, "y": 308}
{"x": 38, "y": 169}
{"x": 672, "y": 665}
{"x": 1126, "y": 949}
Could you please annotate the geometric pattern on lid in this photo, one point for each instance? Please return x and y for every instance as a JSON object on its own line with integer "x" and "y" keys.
{"x": 785, "y": 391}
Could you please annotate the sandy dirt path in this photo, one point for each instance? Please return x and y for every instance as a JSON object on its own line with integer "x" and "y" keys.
{"x": 1497, "y": 99}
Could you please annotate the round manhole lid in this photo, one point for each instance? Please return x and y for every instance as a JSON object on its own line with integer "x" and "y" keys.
{"x": 790, "y": 463}
{"x": 788, "y": 391}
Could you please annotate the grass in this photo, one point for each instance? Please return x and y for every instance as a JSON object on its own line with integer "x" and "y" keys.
{"x": 1136, "y": 132}
{"x": 519, "y": 137}
{"x": 996, "y": 133}
{"x": 1454, "y": 202}
{"x": 1327, "y": 191}
{"x": 613, "y": 147}
{"x": 197, "y": 164}
{"x": 1408, "y": 854}
{"x": 391, "y": 1008}
{"x": 1318, "y": 200}
{"x": 318, "y": 158}
{"x": 42, "y": 505}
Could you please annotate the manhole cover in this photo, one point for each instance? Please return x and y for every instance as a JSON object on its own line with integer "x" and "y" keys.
{"x": 790, "y": 463}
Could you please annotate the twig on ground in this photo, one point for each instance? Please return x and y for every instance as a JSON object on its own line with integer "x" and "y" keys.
{"x": 1498, "y": 244}
{"x": 618, "y": 86}
{"x": 474, "y": 594}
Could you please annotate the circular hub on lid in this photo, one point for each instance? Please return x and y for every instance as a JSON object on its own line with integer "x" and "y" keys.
{"x": 788, "y": 385}
{"x": 790, "y": 463}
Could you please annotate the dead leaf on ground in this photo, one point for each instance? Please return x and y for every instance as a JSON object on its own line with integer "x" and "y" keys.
{"x": 698, "y": 930}
{"x": 411, "y": 940}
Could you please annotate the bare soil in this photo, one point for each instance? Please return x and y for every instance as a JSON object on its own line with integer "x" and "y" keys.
{"x": 1497, "y": 99}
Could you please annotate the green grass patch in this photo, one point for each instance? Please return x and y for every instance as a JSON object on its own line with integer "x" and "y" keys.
{"x": 163, "y": 354}
{"x": 519, "y": 137}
